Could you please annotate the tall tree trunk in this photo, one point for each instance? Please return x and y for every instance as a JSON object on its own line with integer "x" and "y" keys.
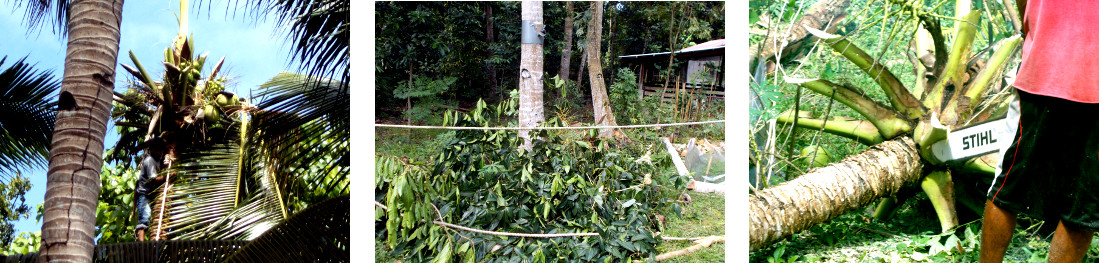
{"x": 600, "y": 102}
{"x": 566, "y": 51}
{"x": 583, "y": 64}
{"x": 490, "y": 68}
{"x": 828, "y": 192}
{"x": 530, "y": 72}
{"x": 84, "y": 108}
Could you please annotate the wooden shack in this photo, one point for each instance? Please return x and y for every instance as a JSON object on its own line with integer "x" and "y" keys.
{"x": 703, "y": 75}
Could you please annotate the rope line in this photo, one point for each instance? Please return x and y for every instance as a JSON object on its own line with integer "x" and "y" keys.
{"x": 549, "y": 128}
{"x": 497, "y": 233}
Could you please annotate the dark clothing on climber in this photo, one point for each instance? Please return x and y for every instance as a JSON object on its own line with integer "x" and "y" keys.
{"x": 149, "y": 167}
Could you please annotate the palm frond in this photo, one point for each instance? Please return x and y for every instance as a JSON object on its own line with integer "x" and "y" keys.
{"x": 319, "y": 31}
{"x": 222, "y": 192}
{"x": 320, "y": 232}
{"x": 39, "y": 13}
{"x": 305, "y": 132}
{"x": 26, "y": 125}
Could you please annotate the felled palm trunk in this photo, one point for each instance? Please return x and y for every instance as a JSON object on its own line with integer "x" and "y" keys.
{"x": 828, "y": 192}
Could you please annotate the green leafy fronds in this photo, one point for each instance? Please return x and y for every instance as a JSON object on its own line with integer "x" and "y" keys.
{"x": 321, "y": 232}
{"x": 217, "y": 194}
{"x": 303, "y": 128}
{"x": 54, "y": 12}
{"x": 26, "y": 125}
{"x": 319, "y": 31}
{"x": 482, "y": 180}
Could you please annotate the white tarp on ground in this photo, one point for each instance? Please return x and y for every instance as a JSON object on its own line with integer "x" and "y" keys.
{"x": 700, "y": 158}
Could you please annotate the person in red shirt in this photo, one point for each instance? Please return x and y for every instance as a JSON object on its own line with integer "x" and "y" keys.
{"x": 1050, "y": 164}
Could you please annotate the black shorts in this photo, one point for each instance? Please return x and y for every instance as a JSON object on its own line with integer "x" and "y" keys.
{"x": 1050, "y": 170}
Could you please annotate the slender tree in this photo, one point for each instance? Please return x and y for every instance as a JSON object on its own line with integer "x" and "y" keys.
{"x": 566, "y": 51}
{"x": 600, "y": 102}
{"x": 530, "y": 71}
{"x": 490, "y": 68}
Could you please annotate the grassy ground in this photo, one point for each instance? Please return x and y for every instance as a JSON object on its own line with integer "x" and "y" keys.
{"x": 704, "y": 216}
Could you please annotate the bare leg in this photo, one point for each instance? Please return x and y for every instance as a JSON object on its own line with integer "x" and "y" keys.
{"x": 996, "y": 232}
{"x": 141, "y": 235}
{"x": 1069, "y": 245}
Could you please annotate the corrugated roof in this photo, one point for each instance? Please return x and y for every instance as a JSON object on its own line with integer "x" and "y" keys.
{"x": 707, "y": 46}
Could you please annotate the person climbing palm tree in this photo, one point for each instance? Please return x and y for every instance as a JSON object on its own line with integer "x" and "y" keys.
{"x": 147, "y": 179}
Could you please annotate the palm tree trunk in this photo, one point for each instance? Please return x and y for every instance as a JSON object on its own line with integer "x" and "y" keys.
{"x": 84, "y": 108}
{"x": 600, "y": 102}
{"x": 828, "y": 192}
{"x": 530, "y": 75}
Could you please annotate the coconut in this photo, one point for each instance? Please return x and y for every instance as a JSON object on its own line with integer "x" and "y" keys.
{"x": 222, "y": 100}
{"x": 815, "y": 156}
{"x": 212, "y": 114}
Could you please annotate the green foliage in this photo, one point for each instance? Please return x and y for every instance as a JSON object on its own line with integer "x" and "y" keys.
{"x": 450, "y": 39}
{"x": 27, "y": 99}
{"x": 624, "y": 97}
{"x": 115, "y": 218}
{"x": 482, "y": 181}
{"x": 422, "y": 86}
{"x": 778, "y": 256}
{"x": 26, "y": 242}
{"x": 12, "y": 206}
{"x": 564, "y": 94}
{"x": 426, "y": 91}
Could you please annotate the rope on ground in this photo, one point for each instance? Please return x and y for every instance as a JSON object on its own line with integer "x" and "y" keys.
{"x": 549, "y": 128}
{"x": 681, "y": 238}
{"x": 453, "y": 226}
{"x": 699, "y": 244}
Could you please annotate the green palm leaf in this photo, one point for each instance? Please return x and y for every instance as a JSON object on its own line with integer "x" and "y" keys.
{"x": 319, "y": 31}
{"x": 321, "y": 232}
{"x": 26, "y": 125}
{"x": 50, "y": 12}
{"x": 223, "y": 191}
{"x": 305, "y": 124}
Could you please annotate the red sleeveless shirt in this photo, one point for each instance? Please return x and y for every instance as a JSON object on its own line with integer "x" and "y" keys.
{"x": 1061, "y": 50}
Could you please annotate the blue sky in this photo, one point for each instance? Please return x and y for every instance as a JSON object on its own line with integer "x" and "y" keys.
{"x": 254, "y": 52}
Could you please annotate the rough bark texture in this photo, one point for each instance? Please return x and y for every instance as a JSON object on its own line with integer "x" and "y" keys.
{"x": 530, "y": 76}
{"x": 793, "y": 40}
{"x": 490, "y": 68}
{"x": 566, "y": 51}
{"x": 828, "y": 192}
{"x": 600, "y": 102}
{"x": 72, "y": 187}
